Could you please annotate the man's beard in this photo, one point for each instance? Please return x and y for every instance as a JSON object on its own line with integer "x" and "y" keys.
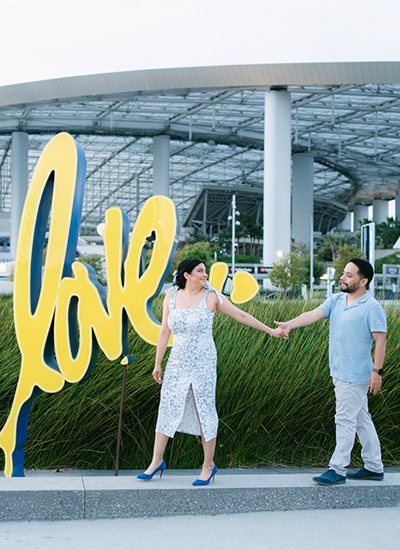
{"x": 349, "y": 288}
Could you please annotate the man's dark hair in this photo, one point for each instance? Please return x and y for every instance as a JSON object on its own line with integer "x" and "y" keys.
{"x": 365, "y": 269}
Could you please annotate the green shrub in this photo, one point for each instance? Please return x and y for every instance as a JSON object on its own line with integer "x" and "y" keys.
{"x": 389, "y": 259}
{"x": 239, "y": 259}
{"x": 346, "y": 253}
{"x": 97, "y": 262}
{"x": 288, "y": 273}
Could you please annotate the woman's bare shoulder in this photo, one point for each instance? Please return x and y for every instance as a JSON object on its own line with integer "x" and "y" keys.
{"x": 167, "y": 298}
{"x": 212, "y": 301}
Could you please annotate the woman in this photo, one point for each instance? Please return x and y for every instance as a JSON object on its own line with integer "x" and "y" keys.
{"x": 188, "y": 392}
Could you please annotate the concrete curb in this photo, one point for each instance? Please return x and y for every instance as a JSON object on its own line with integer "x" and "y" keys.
{"x": 71, "y": 497}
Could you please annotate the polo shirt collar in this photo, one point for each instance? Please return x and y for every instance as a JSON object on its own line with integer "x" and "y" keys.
{"x": 360, "y": 300}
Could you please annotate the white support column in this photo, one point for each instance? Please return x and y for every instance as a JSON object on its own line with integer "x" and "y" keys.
{"x": 302, "y": 197}
{"x": 19, "y": 183}
{"x": 161, "y": 166}
{"x": 345, "y": 225}
{"x": 277, "y": 157}
{"x": 360, "y": 214}
{"x": 380, "y": 211}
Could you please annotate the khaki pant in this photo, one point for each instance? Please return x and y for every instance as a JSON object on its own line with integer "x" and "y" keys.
{"x": 351, "y": 418}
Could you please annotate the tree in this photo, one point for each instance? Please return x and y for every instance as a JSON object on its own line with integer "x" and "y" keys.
{"x": 238, "y": 235}
{"x": 287, "y": 273}
{"x": 364, "y": 221}
{"x": 387, "y": 233}
{"x": 346, "y": 253}
{"x": 318, "y": 267}
{"x": 243, "y": 230}
{"x": 256, "y": 233}
{"x": 303, "y": 253}
{"x": 390, "y": 259}
{"x": 200, "y": 250}
{"x": 224, "y": 239}
{"x": 328, "y": 248}
{"x": 197, "y": 236}
{"x": 97, "y": 262}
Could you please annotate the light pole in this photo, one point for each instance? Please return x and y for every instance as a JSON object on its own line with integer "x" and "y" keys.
{"x": 234, "y": 224}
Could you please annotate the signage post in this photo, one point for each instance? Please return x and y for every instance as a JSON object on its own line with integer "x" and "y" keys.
{"x": 368, "y": 247}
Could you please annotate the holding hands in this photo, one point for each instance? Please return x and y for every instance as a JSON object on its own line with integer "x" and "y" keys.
{"x": 282, "y": 331}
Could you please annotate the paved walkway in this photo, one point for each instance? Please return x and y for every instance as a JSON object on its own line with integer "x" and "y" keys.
{"x": 356, "y": 529}
{"x": 100, "y": 495}
{"x": 105, "y": 512}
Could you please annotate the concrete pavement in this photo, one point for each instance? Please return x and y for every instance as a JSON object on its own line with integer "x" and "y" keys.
{"x": 100, "y": 495}
{"x": 352, "y": 529}
{"x": 285, "y": 510}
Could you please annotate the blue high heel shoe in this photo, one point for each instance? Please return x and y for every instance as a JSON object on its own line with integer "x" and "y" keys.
{"x": 160, "y": 469}
{"x": 206, "y": 481}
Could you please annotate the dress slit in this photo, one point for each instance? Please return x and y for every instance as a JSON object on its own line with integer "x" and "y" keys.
{"x": 196, "y": 409}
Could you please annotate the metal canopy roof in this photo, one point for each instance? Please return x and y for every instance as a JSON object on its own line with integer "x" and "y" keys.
{"x": 213, "y": 204}
{"x": 353, "y": 131}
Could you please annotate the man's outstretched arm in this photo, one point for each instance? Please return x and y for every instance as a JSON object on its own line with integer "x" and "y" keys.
{"x": 303, "y": 320}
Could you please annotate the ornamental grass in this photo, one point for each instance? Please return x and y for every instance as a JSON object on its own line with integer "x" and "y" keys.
{"x": 275, "y": 400}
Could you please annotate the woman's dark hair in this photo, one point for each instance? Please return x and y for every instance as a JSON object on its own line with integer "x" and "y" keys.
{"x": 186, "y": 266}
{"x": 365, "y": 269}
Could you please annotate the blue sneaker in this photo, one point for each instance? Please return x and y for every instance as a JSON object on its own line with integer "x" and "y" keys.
{"x": 330, "y": 477}
{"x": 363, "y": 473}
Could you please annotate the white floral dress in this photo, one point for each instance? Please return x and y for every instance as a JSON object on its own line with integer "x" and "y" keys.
{"x": 190, "y": 372}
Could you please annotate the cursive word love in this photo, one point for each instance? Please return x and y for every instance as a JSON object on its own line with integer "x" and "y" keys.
{"x": 62, "y": 314}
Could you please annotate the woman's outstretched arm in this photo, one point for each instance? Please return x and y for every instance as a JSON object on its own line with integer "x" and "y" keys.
{"x": 245, "y": 318}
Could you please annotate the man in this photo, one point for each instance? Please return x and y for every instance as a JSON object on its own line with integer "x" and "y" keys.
{"x": 356, "y": 319}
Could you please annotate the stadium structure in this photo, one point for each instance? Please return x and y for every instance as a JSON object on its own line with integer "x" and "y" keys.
{"x": 303, "y": 147}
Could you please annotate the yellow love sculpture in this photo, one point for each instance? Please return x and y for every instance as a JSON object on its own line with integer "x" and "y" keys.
{"x": 63, "y": 316}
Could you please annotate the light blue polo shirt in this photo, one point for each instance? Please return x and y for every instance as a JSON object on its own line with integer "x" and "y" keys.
{"x": 350, "y": 335}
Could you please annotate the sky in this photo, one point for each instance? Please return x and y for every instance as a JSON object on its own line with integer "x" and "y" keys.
{"x": 52, "y": 39}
